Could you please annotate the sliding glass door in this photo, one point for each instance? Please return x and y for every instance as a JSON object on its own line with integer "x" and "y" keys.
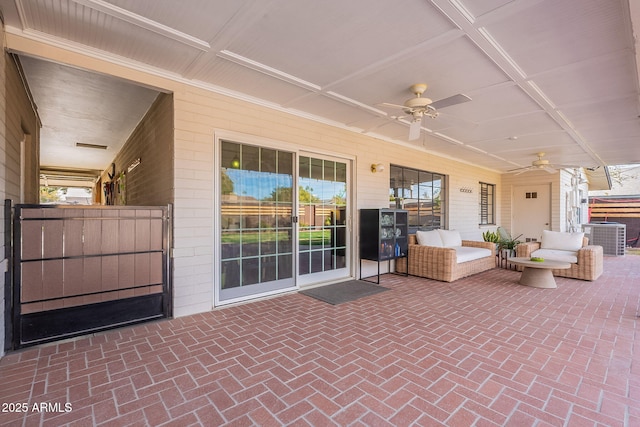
{"x": 280, "y": 228}
{"x": 256, "y": 211}
{"x": 323, "y": 243}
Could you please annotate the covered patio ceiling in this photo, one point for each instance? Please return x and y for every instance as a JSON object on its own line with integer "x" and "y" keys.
{"x": 559, "y": 77}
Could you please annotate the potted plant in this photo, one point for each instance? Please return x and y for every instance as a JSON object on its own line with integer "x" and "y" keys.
{"x": 492, "y": 236}
{"x": 508, "y": 244}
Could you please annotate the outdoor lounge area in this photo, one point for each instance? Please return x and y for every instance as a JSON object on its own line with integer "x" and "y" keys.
{"x": 186, "y": 184}
{"x": 482, "y": 351}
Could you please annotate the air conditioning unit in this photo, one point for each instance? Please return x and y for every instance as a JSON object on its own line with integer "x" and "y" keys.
{"x": 611, "y": 236}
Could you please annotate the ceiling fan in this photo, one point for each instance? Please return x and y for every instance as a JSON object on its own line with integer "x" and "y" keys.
{"x": 541, "y": 164}
{"x": 419, "y": 107}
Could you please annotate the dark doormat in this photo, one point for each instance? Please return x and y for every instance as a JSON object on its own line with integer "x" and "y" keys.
{"x": 344, "y": 292}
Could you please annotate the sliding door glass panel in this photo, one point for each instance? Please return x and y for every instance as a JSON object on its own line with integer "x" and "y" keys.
{"x": 322, "y": 242}
{"x": 256, "y": 207}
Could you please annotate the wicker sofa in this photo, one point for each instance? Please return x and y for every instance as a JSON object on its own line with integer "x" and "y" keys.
{"x": 441, "y": 262}
{"x": 586, "y": 261}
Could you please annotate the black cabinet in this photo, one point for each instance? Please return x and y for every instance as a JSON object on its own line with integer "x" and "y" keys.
{"x": 383, "y": 235}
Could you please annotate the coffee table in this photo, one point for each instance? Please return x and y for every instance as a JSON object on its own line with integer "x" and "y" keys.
{"x": 538, "y": 274}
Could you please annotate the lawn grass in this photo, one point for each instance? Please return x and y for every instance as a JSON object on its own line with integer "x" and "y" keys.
{"x": 314, "y": 237}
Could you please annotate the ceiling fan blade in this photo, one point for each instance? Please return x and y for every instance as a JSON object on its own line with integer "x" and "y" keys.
{"x": 386, "y": 104}
{"x": 565, "y": 166}
{"x": 550, "y": 170}
{"x": 452, "y": 100}
{"x": 385, "y": 121}
{"x": 414, "y": 129}
{"x": 518, "y": 171}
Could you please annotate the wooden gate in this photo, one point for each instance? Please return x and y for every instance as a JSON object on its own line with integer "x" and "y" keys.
{"x": 78, "y": 270}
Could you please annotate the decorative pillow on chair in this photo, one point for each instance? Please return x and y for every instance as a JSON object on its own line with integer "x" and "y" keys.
{"x": 429, "y": 238}
{"x": 562, "y": 241}
{"x": 450, "y": 238}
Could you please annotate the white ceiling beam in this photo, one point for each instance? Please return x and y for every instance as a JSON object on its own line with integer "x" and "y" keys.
{"x": 481, "y": 37}
{"x": 265, "y": 69}
{"x": 250, "y": 13}
{"x": 145, "y": 23}
{"x": 503, "y": 12}
{"x": 440, "y": 40}
{"x": 634, "y": 17}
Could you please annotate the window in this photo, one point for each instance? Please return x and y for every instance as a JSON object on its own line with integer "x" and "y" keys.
{"x": 487, "y": 203}
{"x": 422, "y": 193}
{"x": 65, "y": 195}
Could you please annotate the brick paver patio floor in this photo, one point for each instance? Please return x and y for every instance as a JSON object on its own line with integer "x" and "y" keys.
{"x": 482, "y": 351}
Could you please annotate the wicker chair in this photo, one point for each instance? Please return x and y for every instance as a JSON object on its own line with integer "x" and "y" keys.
{"x": 441, "y": 263}
{"x": 589, "y": 266}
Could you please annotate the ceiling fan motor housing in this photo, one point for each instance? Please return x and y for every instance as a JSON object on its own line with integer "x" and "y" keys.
{"x": 417, "y": 102}
{"x": 419, "y": 107}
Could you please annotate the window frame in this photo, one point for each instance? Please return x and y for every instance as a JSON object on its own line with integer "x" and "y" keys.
{"x": 487, "y": 204}
{"x": 422, "y": 215}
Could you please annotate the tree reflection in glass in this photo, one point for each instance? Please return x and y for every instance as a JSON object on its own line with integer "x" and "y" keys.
{"x": 256, "y": 210}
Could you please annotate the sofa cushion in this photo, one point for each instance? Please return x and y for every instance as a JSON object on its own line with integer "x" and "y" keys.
{"x": 450, "y": 238}
{"x": 557, "y": 255}
{"x": 474, "y": 236}
{"x": 429, "y": 238}
{"x": 468, "y": 253}
{"x": 561, "y": 241}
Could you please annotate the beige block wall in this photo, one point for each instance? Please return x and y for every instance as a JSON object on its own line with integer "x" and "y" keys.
{"x": 200, "y": 114}
{"x": 151, "y": 182}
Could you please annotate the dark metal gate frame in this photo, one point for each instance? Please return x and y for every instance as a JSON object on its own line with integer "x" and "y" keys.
{"x": 26, "y": 329}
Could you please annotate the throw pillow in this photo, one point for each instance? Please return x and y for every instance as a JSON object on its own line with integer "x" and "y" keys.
{"x": 561, "y": 241}
{"x": 429, "y": 238}
{"x": 450, "y": 238}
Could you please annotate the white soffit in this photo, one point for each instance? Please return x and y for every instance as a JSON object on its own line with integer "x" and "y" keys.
{"x": 538, "y": 70}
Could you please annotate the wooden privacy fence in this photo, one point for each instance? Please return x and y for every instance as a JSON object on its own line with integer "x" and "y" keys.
{"x": 82, "y": 269}
{"x": 621, "y": 210}
{"x": 606, "y": 211}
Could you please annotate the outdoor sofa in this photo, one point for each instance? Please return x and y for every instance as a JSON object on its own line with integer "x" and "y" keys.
{"x": 586, "y": 260}
{"x": 443, "y": 255}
